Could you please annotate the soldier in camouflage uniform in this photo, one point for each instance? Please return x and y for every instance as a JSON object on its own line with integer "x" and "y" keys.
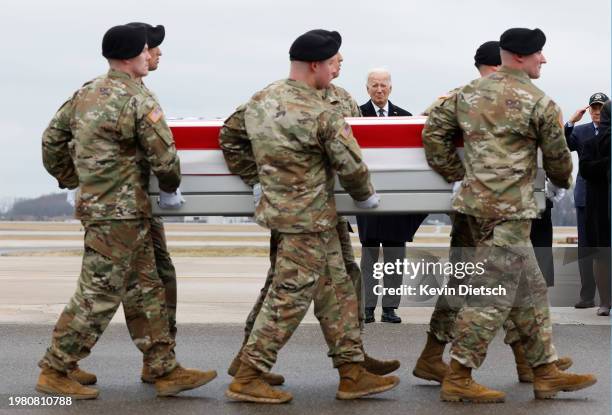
{"x": 344, "y": 103}
{"x": 297, "y": 142}
{"x": 503, "y": 120}
{"x": 119, "y": 135}
{"x": 232, "y": 137}
{"x": 430, "y": 365}
{"x": 132, "y": 306}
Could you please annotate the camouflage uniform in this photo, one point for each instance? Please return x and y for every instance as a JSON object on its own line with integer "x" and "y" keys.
{"x": 343, "y": 102}
{"x": 296, "y": 154}
{"x": 442, "y": 321}
{"x": 119, "y": 135}
{"x": 245, "y": 166}
{"x": 134, "y": 313}
{"x": 504, "y": 119}
{"x": 443, "y": 318}
{"x": 135, "y": 316}
{"x": 440, "y": 100}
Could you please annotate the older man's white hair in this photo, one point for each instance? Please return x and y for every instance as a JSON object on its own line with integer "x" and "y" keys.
{"x": 379, "y": 71}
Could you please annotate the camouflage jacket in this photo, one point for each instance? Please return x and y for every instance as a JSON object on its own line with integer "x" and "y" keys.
{"x": 236, "y": 145}
{"x": 342, "y": 100}
{"x": 106, "y": 140}
{"x": 236, "y": 148}
{"x": 503, "y": 119}
{"x": 440, "y": 100}
{"x": 296, "y": 143}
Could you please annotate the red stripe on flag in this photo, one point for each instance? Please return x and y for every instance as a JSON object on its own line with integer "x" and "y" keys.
{"x": 196, "y": 138}
{"x": 378, "y": 134}
{"x": 388, "y": 135}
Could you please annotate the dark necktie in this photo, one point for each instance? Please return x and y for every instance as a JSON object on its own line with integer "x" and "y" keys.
{"x": 381, "y": 112}
{"x": 596, "y": 131}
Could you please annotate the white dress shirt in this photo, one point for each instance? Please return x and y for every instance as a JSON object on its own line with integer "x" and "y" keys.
{"x": 385, "y": 109}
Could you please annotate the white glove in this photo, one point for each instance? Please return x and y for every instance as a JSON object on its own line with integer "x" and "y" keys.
{"x": 370, "y": 203}
{"x": 560, "y": 195}
{"x": 456, "y": 188}
{"x": 71, "y": 197}
{"x": 552, "y": 192}
{"x": 257, "y": 194}
{"x": 548, "y": 190}
{"x": 170, "y": 200}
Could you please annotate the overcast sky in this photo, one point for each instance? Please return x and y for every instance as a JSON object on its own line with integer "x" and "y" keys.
{"x": 218, "y": 53}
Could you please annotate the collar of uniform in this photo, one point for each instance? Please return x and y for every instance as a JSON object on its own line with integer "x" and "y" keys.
{"x": 115, "y": 74}
{"x": 327, "y": 93}
{"x": 142, "y": 84}
{"x": 514, "y": 72}
{"x": 304, "y": 86}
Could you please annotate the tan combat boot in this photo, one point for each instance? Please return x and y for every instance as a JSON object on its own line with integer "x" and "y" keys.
{"x": 548, "y": 380}
{"x": 379, "y": 367}
{"x": 57, "y": 383}
{"x": 525, "y": 374}
{"x": 458, "y": 386}
{"x": 273, "y": 379}
{"x": 83, "y": 377}
{"x": 181, "y": 379}
{"x": 356, "y": 382}
{"x": 430, "y": 365}
{"x": 249, "y": 386}
{"x": 564, "y": 362}
{"x": 235, "y": 365}
{"x": 146, "y": 376}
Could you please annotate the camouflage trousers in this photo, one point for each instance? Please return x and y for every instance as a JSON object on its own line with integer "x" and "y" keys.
{"x": 442, "y": 322}
{"x": 118, "y": 259}
{"x": 308, "y": 267}
{"x": 504, "y": 247}
{"x": 135, "y": 315}
{"x": 343, "y": 229}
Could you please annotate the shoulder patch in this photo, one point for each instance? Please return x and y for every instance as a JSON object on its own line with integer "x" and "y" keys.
{"x": 347, "y": 130}
{"x": 155, "y": 115}
{"x": 513, "y": 103}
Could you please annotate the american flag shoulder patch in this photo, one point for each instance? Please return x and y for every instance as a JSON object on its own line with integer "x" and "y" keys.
{"x": 155, "y": 115}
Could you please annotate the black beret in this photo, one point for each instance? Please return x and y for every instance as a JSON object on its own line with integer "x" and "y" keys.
{"x": 123, "y": 42}
{"x": 155, "y": 34}
{"x": 315, "y": 45}
{"x": 522, "y": 41}
{"x": 598, "y": 98}
{"x": 488, "y": 54}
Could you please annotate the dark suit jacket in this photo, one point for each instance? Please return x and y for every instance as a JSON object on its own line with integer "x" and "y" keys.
{"x": 576, "y": 136}
{"x": 594, "y": 168}
{"x": 542, "y": 241}
{"x": 387, "y": 228}
{"x": 368, "y": 110}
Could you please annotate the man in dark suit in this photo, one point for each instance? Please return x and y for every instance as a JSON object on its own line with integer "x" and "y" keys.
{"x": 576, "y": 135}
{"x": 379, "y": 87}
{"x": 390, "y": 231}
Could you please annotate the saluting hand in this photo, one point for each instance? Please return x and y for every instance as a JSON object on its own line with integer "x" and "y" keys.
{"x": 578, "y": 115}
